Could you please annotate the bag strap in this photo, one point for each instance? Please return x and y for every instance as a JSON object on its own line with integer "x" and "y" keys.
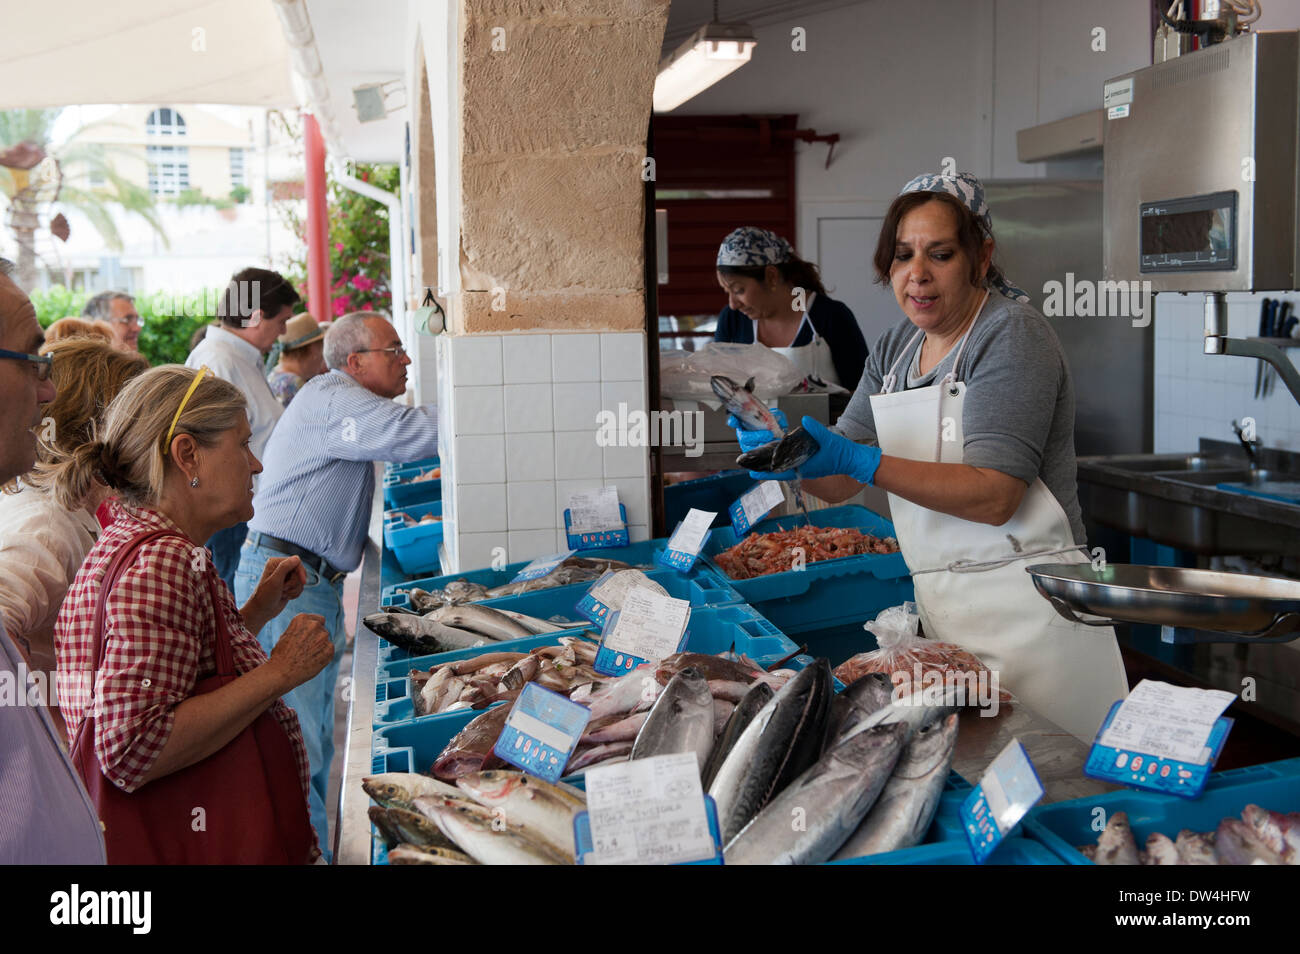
{"x": 116, "y": 567}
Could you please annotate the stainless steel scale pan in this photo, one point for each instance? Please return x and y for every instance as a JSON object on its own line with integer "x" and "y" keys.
{"x": 1201, "y": 605}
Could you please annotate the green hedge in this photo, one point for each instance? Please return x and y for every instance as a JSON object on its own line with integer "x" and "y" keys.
{"x": 168, "y": 321}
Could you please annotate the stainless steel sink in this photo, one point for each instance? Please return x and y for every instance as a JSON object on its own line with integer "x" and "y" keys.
{"x": 1165, "y": 463}
{"x": 1210, "y": 478}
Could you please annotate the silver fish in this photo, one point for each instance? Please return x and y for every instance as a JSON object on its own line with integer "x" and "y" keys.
{"x": 739, "y": 400}
{"x": 542, "y": 810}
{"x": 414, "y": 828}
{"x": 540, "y": 627}
{"x": 861, "y": 698}
{"x": 680, "y": 721}
{"x": 399, "y": 789}
{"x": 420, "y": 635}
{"x": 781, "y": 741}
{"x": 1116, "y": 845}
{"x": 914, "y": 711}
{"x": 483, "y": 620}
{"x": 582, "y": 759}
{"x": 749, "y": 706}
{"x": 480, "y": 834}
{"x": 426, "y": 855}
{"x": 638, "y": 689}
{"x": 788, "y": 453}
{"x": 830, "y": 799}
{"x": 902, "y": 814}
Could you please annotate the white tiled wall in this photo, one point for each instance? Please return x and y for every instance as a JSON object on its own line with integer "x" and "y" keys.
{"x": 519, "y": 415}
{"x": 1198, "y": 395}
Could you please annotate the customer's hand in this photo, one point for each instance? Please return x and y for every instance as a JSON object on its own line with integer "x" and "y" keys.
{"x": 303, "y": 650}
{"x": 751, "y": 439}
{"x": 283, "y": 579}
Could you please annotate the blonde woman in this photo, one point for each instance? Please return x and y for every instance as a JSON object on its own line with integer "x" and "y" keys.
{"x": 169, "y": 700}
{"x": 45, "y": 531}
{"x": 75, "y": 328}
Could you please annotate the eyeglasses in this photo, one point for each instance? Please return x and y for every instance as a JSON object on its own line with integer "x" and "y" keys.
{"x": 44, "y": 362}
{"x": 396, "y": 351}
{"x": 124, "y": 320}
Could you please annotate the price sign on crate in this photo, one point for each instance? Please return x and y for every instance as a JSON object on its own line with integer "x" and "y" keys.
{"x": 542, "y": 566}
{"x": 648, "y": 628}
{"x": 541, "y": 732}
{"x": 595, "y": 519}
{"x": 1009, "y": 788}
{"x": 753, "y": 505}
{"x": 1162, "y": 738}
{"x": 687, "y": 540}
{"x": 607, "y": 593}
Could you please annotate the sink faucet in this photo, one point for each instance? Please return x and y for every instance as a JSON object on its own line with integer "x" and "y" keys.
{"x": 1249, "y": 446}
{"x": 1218, "y": 342}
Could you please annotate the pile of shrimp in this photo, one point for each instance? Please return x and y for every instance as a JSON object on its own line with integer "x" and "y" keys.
{"x": 784, "y": 550}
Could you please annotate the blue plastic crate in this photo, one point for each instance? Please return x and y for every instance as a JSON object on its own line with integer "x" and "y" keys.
{"x": 401, "y": 490}
{"x": 1064, "y": 826}
{"x": 640, "y": 553}
{"x": 715, "y": 493}
{"x": 415, "y": 548}
{"x": 824, "y": 593}
{"x": 412, "y": 467}
{"x": 710, "y": 630}
{"x": 1013, "y": 851}
{"x": 704, "y": 588}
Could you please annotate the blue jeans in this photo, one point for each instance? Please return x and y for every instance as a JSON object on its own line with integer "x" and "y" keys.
{"x": 313, "y": 701}
{"x": 225, "y": 546}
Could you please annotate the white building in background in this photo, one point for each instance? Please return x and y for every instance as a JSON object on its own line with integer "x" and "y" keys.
{"x": 224, "y": 153}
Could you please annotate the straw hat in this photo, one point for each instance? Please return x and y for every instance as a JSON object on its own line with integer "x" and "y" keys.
{"x": 301, "y": 330}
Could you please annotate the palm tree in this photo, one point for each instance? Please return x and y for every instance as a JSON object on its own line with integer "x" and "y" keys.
{"x": 33, "y": 172}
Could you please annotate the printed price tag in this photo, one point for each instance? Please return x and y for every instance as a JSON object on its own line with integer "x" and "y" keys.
{"x": 541, "y": 732}
{"x": 684, "y": 545}
{"x": 648, "y": 812}
{"x": 1161, "y": 738}
{"x": 1009, "y": 788}
{"x": 591, "y": 511}
{"x": 753, "y": 505}
{"x": 607, "y": 593}
{"x": 648, "y": 628}
{"x": 542, "y": 566}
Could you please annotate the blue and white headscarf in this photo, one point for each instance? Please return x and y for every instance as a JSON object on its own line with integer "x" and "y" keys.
{"x": 969, "y": 191}
{"x": 747, "y": 247}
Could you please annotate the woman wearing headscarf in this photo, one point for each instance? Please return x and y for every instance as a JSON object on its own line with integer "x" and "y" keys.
{"x": 965, "y": 415}
{"x": 777, "y": 299}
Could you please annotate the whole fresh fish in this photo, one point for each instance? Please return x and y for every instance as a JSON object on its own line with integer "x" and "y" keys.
{"x": 426, "y": 855}
{"x": 387, "y": 830}
{"x": 612, "y": 760}
{"x": 1238, "y": 844}
{"x": 624, "y": 730}
{"x": 913, "y": 710}
{"x": 781, "y": 741}
{"x": 1269, "y": 826}
{"x": 575, "y": 569}
{"x": 710, "y": 666}
{"x": 420, "y": 635}
{"x": 903, "y": 812}
{"x": 470, "y": 750}
{"x": 399, "y": 789}
{"x": 758, "y": 696}
{"x": 540, "y": 627}
{"x": 582, "y": 758}
{"x": 413, "y": 828}
{"x": 1195, "y": 848}
{"x": 862, "y": 697}
{"x": 1116, "y": 845}
{"x": 739, "y": 400}
{"x": 722, "y": 710}
{"x": 521, "y": 672}
{"x": 638, "y": 689}
{"x": 480, "y": 834}
{"x": 462, "y": 591}
{"x": 541, "y": 809}
{"x": 830, "y": 798}
{"x": 788, "y": 453}
{"x": 483, "y": 620}
{"x": 1160, "y": 850}
{"x": 680, "y": 721}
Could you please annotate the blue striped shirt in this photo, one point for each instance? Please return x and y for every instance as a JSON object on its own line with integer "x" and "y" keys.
{"x": 319, "y": 478}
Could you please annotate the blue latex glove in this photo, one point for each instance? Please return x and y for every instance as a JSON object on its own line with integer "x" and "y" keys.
{"x": 837, "y": 455}
{"x": 750, "y": 439}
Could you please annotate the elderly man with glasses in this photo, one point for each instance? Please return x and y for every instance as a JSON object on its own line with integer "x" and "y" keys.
{"x": 114, "y": 311}
{"x": 45, "y": 815}
{"x": 315, "y": 496}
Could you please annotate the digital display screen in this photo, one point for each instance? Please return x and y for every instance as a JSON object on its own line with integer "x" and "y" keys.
{"x": 1197, "y": 233}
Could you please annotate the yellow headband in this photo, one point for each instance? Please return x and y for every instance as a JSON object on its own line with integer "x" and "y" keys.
{"x": 185, "y": 400}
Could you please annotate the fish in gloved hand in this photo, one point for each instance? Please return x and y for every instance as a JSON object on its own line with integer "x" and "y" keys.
{"x": 748, "y": 411}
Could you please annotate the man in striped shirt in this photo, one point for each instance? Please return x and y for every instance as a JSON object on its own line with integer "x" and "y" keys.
{"x": 314, "y": 500}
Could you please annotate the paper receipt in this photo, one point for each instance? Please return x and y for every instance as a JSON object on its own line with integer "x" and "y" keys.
{"x": 650, "y": 811}
{"x": 649, "y": 626}
{"x": 1167, "y": 721}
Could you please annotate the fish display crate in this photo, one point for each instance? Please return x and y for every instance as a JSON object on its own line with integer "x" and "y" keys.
{"x": 712, "y": 629}
{"x": 1064, "y": 826}
{"x": 824, "y": 593}
{"x": 415, "y": 548}
{"x": 641, "y": 552}
{"x": 715, "y": 493}
{"x": 1013, "y": 851}
{"x": 412, "y": 467}
{"x": 402, "y": 490}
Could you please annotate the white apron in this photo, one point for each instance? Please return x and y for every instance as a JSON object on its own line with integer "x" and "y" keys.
{"x": 812, "y": 359}
{"x": 1068, "y": 672}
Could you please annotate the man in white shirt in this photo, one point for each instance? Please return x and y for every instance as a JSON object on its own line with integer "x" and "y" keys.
{"x": 253, "y": 312}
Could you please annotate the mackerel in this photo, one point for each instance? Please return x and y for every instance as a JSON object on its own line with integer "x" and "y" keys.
{"x": 755, "y": 699}
{"x": 680, "y": 721}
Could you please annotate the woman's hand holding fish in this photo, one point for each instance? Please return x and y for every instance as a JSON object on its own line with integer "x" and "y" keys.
{"x": 836, "y": 455}
{"x": 750, "y": 439}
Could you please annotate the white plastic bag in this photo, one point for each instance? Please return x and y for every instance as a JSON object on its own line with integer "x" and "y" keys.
{"x": 684, "y": 375}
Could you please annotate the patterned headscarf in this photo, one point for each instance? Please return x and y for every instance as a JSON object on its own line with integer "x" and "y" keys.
{"x": 969, "y": 191}
{"x": 748, "y": 246}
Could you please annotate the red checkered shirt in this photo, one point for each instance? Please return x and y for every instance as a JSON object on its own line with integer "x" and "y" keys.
{"x": 160, "y": 634}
